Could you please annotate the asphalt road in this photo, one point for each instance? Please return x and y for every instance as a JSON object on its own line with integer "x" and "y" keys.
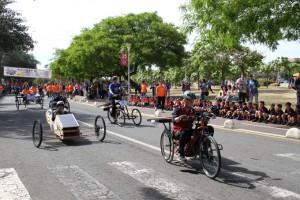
{"x": 129, "y": 165}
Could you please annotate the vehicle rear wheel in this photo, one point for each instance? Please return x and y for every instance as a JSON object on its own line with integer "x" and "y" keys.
{"x": 100, "y": 128}
{"x": 167, "y": 146}
{"x": 42, "y": 103}
{"x": 210, "y": 157}
{"x": 110, "y": 117}
{"x": 67, "y": 106}
{"x": 136, "y": 116}
{"x": 120, "y": 117}
{"x": 17, "y": 104}
{"x": 37, "y": 133}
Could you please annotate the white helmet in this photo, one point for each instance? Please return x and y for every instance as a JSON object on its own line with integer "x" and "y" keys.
{"x": 189, "y": 95}
{"x": 60, "y": 103}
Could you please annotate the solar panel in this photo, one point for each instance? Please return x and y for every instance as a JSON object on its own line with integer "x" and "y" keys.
{"x": 66, "y": 121}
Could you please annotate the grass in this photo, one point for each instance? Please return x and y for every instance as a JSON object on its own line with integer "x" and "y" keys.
{"x": 277, "y": 95}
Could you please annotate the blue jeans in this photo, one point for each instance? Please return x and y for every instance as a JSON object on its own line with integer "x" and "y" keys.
{"x": 255, "y": 96}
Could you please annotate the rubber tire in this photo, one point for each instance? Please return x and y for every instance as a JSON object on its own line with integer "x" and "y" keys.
{"x": 68, "y": 105}
{"x": 110, "y": 118}
{"x": 120, "y": 117}
{"x": 134, "y": 119}
{"x": 37, "y": 129}
{"x": 99, "y": 120}
{"x": 42, "y": 103}
{"x": 17, "y": 104}
{"x": 168, "y": 137}
{"x": 213, "y": 142}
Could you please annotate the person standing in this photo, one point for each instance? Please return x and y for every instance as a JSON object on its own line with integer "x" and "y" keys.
{"x": 253, "y": 86}
{"x": 203, "y": 89}
{"x": 168, "y": 85}
{"x": 297, "y": 88}
{"x": 241, "y": 85}
{"x": 209, "y": 86}
{"x": 161, "y": 92}
{"x": 143, "y": 89}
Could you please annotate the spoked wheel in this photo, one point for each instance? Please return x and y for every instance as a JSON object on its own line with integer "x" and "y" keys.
{"x": 42, "y": 103}
{"x": 67, "y": 106}
{"x": 210, "y": 157}
{"x": 120, "y": 117}
{"x": 110, "y": 117}
{"x": 136, "y": 116}
{"x": 37, "y": 133}
{"x": 167, "y": 146}
{"x": 17, "y": 104}
{"x": 100, "y": 128}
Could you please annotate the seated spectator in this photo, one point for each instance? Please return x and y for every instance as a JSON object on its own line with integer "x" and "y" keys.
{"x": 268, "y": 116}
{"x": 288, "y": 111}
{"x": 222, "y": 94}
{"x": 169, "y": 103}
{"x": 295, "y": 117}
{"x": 259, "y": 113}
{"x": 277, "y": 116}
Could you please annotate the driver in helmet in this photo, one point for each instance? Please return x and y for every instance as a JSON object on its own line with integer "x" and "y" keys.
{"x": 60, "y": 110}
{"x": 114, "y": 93}
{"x": 183, "y": 118}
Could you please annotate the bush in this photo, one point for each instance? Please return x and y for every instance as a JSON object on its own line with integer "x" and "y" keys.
{"x": 264, "y": 82}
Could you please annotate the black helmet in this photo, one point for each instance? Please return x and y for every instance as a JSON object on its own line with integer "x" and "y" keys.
{"x": 189, "y": 95}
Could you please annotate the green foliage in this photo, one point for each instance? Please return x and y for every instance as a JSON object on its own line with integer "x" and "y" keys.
{"x": 264, "y": 82}
{"x": 13, "y": 34}
{"x": 96, "y": 52}
{"x": 237, "y": 21}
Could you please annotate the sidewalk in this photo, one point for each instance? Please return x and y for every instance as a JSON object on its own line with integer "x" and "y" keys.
{"x": 148, "y": 112}
{"x": 218, "y": 122}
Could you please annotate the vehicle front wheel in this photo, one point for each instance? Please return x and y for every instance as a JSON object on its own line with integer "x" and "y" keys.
{"x": 37, "y": 133}
{"x": 210, "y": 157}
{"x": 100, "y": 128}
{"x": 136, "y": 116}
{"x": 167, "y": 146}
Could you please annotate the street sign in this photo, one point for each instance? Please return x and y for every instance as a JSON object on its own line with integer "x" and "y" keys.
{"x": 124, "y": 59}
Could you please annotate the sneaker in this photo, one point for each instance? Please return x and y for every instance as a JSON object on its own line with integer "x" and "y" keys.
{"x": 181, "y": 158}
{"x": 163, "y": 111}
{"x": 260, "y": 120}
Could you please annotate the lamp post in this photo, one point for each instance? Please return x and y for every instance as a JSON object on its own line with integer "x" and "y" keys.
{"x": 128, "y": 48}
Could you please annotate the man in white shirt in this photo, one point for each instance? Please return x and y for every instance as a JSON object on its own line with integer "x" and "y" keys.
{"x": 241, "y": 85}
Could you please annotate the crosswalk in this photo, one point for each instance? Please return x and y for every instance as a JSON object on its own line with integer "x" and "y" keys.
{"x": 83, "y": 186}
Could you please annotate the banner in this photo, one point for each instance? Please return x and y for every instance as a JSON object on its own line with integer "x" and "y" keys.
{"x": 27, "y": 72}
{"x": 124, "y": 59}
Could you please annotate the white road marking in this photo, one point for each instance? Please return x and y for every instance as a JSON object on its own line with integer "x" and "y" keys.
{"x": 11, "y": 187}
{"x": 250, "y": 131}
{"x": 82, "y": 185}
{"x": 271, "y": 190}
{"x": 265, "y": 126}
{"x": 290, "y": 155}
{"x": 160, "y": 182}
{"x": 126, "y": 138}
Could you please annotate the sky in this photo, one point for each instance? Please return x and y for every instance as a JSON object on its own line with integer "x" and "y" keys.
{"x": 54, "y": 23}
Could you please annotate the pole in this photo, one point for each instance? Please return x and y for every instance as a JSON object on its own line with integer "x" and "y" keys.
{"x": 128, "y": 48}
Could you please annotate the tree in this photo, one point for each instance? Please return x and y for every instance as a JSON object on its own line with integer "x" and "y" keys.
{"x": 95, "y": 52}
{"x": 238, "y": 21}
{"x": 13, "y": 34}
{"x": 17, "y": 58}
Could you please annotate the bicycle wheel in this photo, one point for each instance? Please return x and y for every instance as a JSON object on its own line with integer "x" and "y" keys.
{"x": 37, "y": 133}
{"x": 120, "y": 117}
{"x": 210, "y": 157}
{"x": 110, "y": 117}
{"x": 167, "y": 146}
{"x": 100, "y": 128}
{"x": 136, "y": 116}
{"x": 17, "y": 104}
{"x": 67, "y": 106}
{"x": 42, "y": 103}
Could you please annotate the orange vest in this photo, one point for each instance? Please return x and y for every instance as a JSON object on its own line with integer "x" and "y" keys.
{"x": 161, "y": 90}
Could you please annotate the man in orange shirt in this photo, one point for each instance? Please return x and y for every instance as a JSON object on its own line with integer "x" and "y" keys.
{"x": 143, "y": 89}
{"x": 1, "y": 89}
{"x": 25, "y": 93}
{"x": 161, "y": 93}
